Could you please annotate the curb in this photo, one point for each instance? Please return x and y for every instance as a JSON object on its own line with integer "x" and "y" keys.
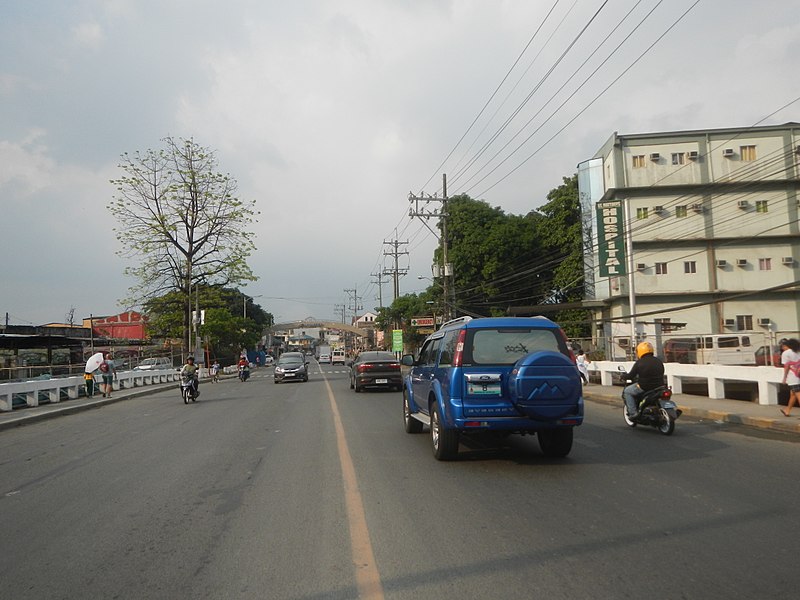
{"x": 50, "y": 411}
{"x": 764, "y": 423}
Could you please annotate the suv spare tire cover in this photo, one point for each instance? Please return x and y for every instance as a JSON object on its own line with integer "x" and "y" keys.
{"x": 545, "y": 385}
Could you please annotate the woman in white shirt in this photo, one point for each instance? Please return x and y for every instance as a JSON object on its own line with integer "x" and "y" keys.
{"x": 790, "y": 357}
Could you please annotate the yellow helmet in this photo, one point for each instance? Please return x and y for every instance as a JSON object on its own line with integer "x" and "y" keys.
{"x": 644, "y": 348}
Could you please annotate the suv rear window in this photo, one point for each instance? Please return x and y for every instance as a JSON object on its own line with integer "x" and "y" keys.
{"x": 507, "y": 346}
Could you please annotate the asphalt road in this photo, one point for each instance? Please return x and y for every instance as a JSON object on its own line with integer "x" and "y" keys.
{"x": 310, "y": 491}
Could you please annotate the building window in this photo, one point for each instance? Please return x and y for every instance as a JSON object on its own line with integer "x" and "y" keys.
{"x": 638, "y": 161}
{"x": 744, "y": 322}
{"x": 761, "y": 206}
{"x": 690, "y": 266}
{"x": 641, "y": 213}
{"x": 679, "y": 158}
{"x": 680, "y": 211}
{"x": 661, "y": 268}
{"x": 748, "y": 153}
{"x": 764, "y": 264}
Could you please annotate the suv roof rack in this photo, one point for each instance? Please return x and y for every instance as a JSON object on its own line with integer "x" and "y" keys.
{"x": 458, "y": 321}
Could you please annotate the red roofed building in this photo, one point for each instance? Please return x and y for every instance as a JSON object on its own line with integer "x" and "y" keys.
{"x": 129, "y": 325}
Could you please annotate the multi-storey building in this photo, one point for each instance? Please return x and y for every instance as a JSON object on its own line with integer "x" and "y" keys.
{"x": 708, "y": 224}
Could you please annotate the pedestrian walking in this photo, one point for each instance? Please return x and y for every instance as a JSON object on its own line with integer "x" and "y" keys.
{"x": 109, "y": 374}
{"x": 790, "y": 359}
{"x": 582, "y": 362}
{"x": 215, "y": 371}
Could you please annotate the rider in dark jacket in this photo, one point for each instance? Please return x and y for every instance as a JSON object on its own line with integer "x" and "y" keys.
{"x": 647, "y": 373}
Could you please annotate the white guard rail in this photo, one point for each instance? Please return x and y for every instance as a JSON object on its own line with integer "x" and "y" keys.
{"x": 768, "y": 378}
{"x": 52, "y": 388}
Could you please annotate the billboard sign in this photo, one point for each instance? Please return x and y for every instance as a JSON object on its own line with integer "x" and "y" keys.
{"x": 611, "y": 238}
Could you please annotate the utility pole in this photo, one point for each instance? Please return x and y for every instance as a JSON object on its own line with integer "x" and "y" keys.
{"x": 422, "y": 210}
{"x": 379, "y": 277}
{"x": 339, "y": 308}
{"x": 397, "y": 271}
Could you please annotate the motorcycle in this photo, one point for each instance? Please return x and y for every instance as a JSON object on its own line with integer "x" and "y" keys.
{"x": 188, "y": 390}
{"x": 656, "y": 409}
{"x": 244, "y": 373}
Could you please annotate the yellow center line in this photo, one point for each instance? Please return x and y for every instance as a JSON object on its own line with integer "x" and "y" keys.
{"x": 368, "y": 579}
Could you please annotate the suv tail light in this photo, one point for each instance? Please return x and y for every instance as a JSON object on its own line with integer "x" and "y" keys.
{"x": 571, "y": 354}
{"x": 458, "y": 355}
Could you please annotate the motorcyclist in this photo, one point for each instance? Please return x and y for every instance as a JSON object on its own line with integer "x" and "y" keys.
{"x": 244, "y": 368}
{"x": 190, "y": 371}
{"x": 647, "y": 374}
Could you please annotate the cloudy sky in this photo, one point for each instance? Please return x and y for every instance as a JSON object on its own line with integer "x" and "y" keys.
{"x": 329, "y": 112}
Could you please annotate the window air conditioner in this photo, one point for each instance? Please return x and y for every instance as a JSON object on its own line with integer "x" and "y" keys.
{"x": 658, "y": 209}
{"x": 641, "y": 266}
{"x": 764, "y": 322}
{"x": 721, "y": 262}
{"x": 693, "y": 154}
{"x": 727, "y": 152}
{"x": 655, "y": 156}
{"x": 742, "y": 204}
{"x": 741, "y": 262}
{"x": 698, "y": 208}
{"x": 730, "y": 322}
{"x": 787, "y": 260}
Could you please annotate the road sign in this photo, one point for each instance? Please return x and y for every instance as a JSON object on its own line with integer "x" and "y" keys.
{"x": 397, "y": 340}
{"x": 422, "y": 322}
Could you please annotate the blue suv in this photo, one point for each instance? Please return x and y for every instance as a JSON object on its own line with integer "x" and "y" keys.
{"x": 509, "y": 375}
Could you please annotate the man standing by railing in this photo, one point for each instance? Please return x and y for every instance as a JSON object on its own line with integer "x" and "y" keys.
{"x": 109, "y": 373}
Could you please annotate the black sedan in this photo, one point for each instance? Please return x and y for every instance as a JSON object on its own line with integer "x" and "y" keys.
{"x": 291, "y": 366}
{"x": 375, "y": 369}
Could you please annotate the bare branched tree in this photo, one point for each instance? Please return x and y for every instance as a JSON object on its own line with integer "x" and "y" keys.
{"x": 181, "y": 221}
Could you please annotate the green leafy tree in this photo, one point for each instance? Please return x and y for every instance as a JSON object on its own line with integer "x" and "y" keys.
{"x": 494, "y": 257}
{"x": 559, "y": 229}
{"x": 181, "y": 221}
{"x": 225, "y": 327}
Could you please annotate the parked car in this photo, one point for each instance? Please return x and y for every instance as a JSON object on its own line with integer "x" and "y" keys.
{"x": 507, "y": 375}
{"x": 377, "y": 370}
{"x": 763, "y": 356}
{"x": 291, "y": 366}
{"x": 152, "y": 364}
{"x": 337, "y": 357}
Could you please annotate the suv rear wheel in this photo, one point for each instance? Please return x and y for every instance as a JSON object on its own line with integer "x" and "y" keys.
{"x": 444, "y": 441}
{"x": 410, "y": 423}
{"x": 556, "y": 443}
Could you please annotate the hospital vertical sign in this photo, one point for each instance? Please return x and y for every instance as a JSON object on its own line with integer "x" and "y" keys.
{"x": 611, "y": 238}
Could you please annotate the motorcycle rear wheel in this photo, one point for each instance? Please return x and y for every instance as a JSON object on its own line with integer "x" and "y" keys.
{"x": 666, "y": 424}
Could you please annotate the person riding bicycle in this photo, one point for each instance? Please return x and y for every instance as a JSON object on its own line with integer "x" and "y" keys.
{"x": 647, "y": 374}
{"x": 190, "y": 371}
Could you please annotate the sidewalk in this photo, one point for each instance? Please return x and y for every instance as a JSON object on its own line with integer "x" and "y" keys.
{"x": 739, "y": 412}
{"x": 25, "y": 416}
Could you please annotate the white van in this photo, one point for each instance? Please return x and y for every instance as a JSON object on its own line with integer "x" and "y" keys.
{"x": 337, "y": 356}
{"x": 717, "y": 349}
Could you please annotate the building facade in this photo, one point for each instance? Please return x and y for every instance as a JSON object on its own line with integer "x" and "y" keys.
{"x": 697, "y": 230}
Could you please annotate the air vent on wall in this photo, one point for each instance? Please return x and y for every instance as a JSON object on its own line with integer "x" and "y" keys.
{"x": 730, "y": 322}
{"x": 693, "y": 154}
{"x": 721, "y": 262}
{"x": 655, "y": 156}
{"x": 728, "y": 152}
{"x": 742, "y": 204}
{"x": 787, "y": 260}
{"x": 741, "y": 262}
{"x": 764, "y": 322}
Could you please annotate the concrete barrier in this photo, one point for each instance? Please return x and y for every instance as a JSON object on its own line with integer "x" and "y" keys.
{"x": 768, "y": 379}
{"x": 72, "y": 387}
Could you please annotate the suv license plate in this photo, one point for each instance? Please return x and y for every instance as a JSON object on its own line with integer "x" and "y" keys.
{"x": 381, "y": 381}
{"x": 484, "y": 389}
